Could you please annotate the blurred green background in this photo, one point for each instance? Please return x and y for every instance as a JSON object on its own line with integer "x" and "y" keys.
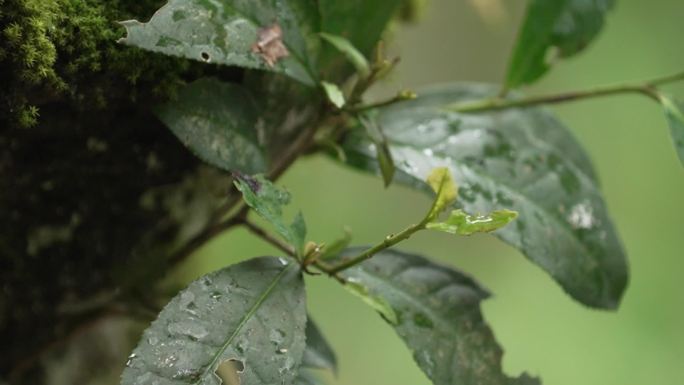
{"x": 542, "y": 330}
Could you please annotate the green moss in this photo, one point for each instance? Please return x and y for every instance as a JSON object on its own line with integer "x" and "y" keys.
{"x": 65, "y": 50}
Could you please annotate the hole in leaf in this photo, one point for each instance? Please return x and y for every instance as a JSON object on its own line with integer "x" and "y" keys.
{"x": 205, "y": 56}
{"x": 229, "y": 371}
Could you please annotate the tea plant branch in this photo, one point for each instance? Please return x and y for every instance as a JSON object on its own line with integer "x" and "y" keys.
{"x": 386, "y": 243}
{"x": 266, "y": 236}
{"x": 647, "y": 88}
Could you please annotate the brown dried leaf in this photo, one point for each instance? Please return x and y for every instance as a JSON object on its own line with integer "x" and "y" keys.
{"x": 270, "y": 45}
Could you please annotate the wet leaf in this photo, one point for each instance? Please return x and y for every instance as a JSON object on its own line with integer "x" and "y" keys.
{"x": 272, "y": 35}
{"x": 675, "y": 117}
{"x": 438, "y": 317}
{"x": 352, "y": 54}
{"x": 318, "y": 353}
{"x": 520, "y": 159}
{"x": 268, "y": 201}
{"x": 252, "y": 313}
{"x": 334, "y": 94}
{"x": 460, "y": 223}
{"x": 217, "y": 122}
{"x": 554, "y": 29}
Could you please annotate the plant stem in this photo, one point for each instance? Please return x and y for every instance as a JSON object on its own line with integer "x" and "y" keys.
{"x": 646, "y": 88}
{"x": 263, "y": 234}
{"x": 388, "y": 242}
{"x": 399, "y": 97}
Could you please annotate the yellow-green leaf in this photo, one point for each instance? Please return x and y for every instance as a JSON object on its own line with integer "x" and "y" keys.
{"x": 461, "y": 223}
{"x": 442, "y": 183}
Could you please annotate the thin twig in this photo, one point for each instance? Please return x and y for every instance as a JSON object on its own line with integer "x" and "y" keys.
{"x": 647, "y": 88}
{"x": 263, "y": 234}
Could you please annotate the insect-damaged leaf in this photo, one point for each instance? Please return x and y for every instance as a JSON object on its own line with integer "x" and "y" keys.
{"x": 520, "y": 159}
{"x": 252, "y": 313}
{"x": 674, "y": 112}
{"x": 218, "y": 122}
{"x": 266, "y": 34}
{"x": 438, "y": 317}
{"x": 268, "y": 201}
{"x": 560, "y": 28}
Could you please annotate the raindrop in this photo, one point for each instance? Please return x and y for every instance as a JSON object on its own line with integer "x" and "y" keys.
{"x": 215, "y": 295}
{"x": 190, "y": 329}
{"x": 132, "y": 357}
{"x": 205, "y": 56}
{"x": 283, "y": 261}
{"x": 281, "y": 351}
{"x": 152, "y": 341}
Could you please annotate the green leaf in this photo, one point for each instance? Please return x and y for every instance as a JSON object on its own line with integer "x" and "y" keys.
{"x": 268, "y": 201}
{"x": 336, "y": 247}
{"x": 382, "y": 150}
{"x": 334, "y": 94}
{"x": 438, "y": 317}
{"x": 361, "y": 22}
{"x": 352, "y": 54}
{"x": 560, "y": 27}
{"x": 218, "y": 122}
{"x": 520, "y": 159}
{"x": 460, "y": 223}
{"x": 226, "y": 32}
{"x": 253, "y": 312}
{"x": 318, "y": 353}
{"x": 445, "y": 189}
{"x": 675, "y": 117}
{"x": 377, "y": 302}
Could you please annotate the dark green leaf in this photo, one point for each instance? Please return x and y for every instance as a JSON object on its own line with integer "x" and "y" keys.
{"x": 318, "y": 354}
{"x": 461, "y": 223}
{"x": 523, "y": 160}
{"x": 253, "y": 313}
{"x": 352, "y": 54}
{"x": 382, "y": 150}
{"x": 227, "y": 32}
{"x": 560, "y": 28}
{"x": 268, "y": 201}
{"x": 218, "y": 122}
{"x": 438, "y": 317}
{"x": 675, "y": 117}
{"x": 361, "y": 22}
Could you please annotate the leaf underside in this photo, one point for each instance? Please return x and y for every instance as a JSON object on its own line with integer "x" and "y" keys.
{"x": 522, "y": 160}
{"x": 438, "y": 317}
{"x": 566, "y": 26}
{"x": 253, "y": 312}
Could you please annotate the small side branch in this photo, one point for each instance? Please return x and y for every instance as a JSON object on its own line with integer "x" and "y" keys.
{"x": 273, "y": 241}
{"x": 647, "y": 89}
